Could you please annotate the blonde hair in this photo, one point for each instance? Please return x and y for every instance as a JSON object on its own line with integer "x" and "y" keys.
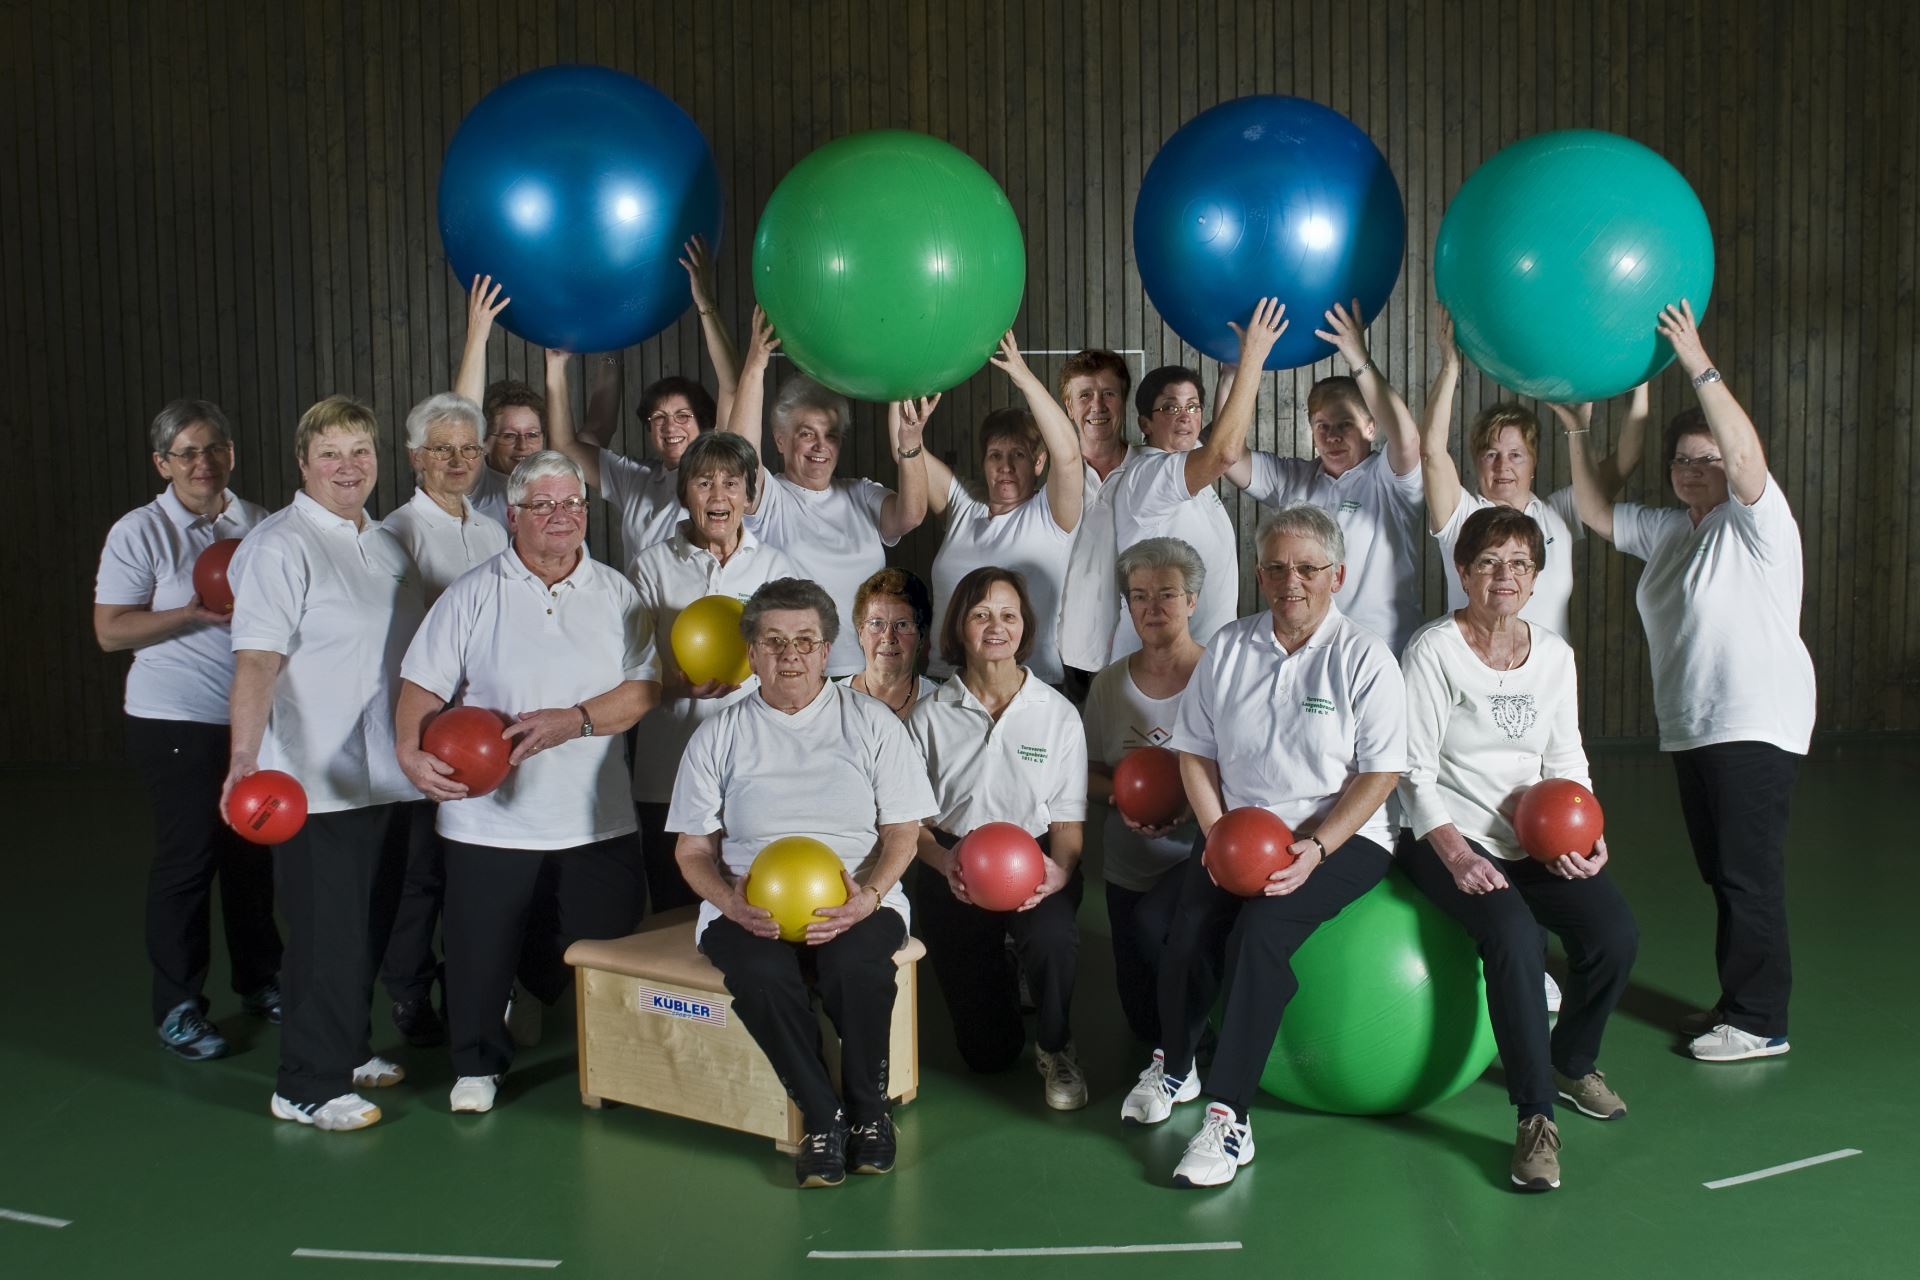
{"x": 1497, "y": 418}
{"x": 342, "y": 413}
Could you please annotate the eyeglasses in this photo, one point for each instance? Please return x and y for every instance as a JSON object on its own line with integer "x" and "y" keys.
{"x": 518, "y": 438}
{"x": 445, "y": 452}
{"x": 189, "y": 456}
{"x": 1705, "y": 460}
{"x": 880, "y": 626}
{"x": 543, "y": 508}
{"x": 1190, "y": 409}
{"x": 1305, "y": 572}
{"x": 802, "y": 645}
{"x": 1141, "y": 599}
{"x": 1488, "y": 566}
{"x": 679, "y": 418}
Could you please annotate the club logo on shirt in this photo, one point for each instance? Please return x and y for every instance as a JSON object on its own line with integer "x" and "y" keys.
{"x": 1318, "y": 706}
{"x": 1033, "y": 755}
{"x": 1348, "y": 506}
{"x": 1514, "y": 713}
{"x": 1156, "y": 736}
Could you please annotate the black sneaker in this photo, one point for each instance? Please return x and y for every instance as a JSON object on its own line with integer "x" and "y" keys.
{"x": 822, "y": 1158}
{"x": 187, "y": 1034}
{"x": 419, "y": 1023}
{"x": 871, "y": 1147}
{"x": 263, "y": 1003}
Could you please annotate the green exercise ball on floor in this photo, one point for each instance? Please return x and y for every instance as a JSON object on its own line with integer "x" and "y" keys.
{"x": 1557, "y": 255}
{"x": 889, "y": 264}
{"x": 1391, "y": 1015}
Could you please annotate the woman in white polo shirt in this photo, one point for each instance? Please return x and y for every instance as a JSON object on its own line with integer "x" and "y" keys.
{"x": 711, "y": 553}
{"x": 1504, "y": 447}
{"x": 836, "y": 530}
{"x": 552, "y": 640}
{"x": 144, "y": 602}
{"x": 895, "y": 617}
{"x": 800, "y": 756}
{"x": 446, "y": 536}
{"x": 1000, "y": 745}
{"x": 1733, "y": 685}
{"x": 326, "y": 601}
{"x": 1019, "y": 525}
{"x": 1300, "y": 711}
{"x": 1492, "y": 708}
{"x": 1130, "y": 705}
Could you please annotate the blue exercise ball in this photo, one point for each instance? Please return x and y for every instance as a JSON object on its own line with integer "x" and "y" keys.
{"x": 575, "y": 188}
{"x": 1267, "y": 196}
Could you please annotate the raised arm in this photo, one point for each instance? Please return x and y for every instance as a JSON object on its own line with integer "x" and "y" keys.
{"x": 745, "y": 418}
{"x": 1629, "y": 446}
{"x": 1733, "y": 430}
{"x": 909, "y": 417}
{"x": 698, "y": 261}
{"x": 904, "y": 509}
{"x": 560, "y": 420}
{"x": 1227, "y": 442}
{"x": 1589, "y": 494}
{"x": 1066, "y": 478}
{"x": 606, "y": 386}
{"x": 1438, "y": 474}
{"x": 483, "y": 304}
{"x": 1345, "y": 331}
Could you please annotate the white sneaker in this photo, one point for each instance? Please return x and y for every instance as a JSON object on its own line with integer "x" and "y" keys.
{"x": 1152, "y": 1099}
{"x": 1728, "y": 1043}
{"x": 474, "y": 1093}
{"x": 523, "y": 1017}
{"x": 1553, "y": 995}
{"x": 348, "y": 1111}
{"x": 1217, "y": 1151}
{"x": 1066, "y": 1086}
{"x": 378, "y": 1073}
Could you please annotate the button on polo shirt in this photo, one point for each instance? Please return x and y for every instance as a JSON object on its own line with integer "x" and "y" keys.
{"x": 444, "y": 546}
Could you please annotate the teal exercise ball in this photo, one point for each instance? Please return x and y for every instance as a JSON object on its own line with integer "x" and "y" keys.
{"x": 1557, "y": 255}
{"x": 1391, "y": 1014}
{"x": 889, "y": 264}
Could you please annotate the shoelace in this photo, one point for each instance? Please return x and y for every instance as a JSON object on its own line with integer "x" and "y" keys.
{"x": 1065, "y": 1069}
{"x": 872, "y": 1129}
{"x": 1213, "y": 1135}
{"x": 190, "y": 1026}
{"x": 818, "y": 1144}
{"x": 1544, "y": 1137}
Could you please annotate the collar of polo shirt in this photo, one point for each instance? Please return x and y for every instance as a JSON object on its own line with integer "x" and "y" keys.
{"x": 514, "y": 565}
{"x": 955, "y": 690}
{"x": 1322, "y": 634}
{"x": 685, "y": 548}
{"x": 185, "y": 519}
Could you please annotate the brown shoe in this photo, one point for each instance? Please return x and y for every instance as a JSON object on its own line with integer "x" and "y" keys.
{"x": 1590, "y": 1095}
{"x": 1536, "y": 1158}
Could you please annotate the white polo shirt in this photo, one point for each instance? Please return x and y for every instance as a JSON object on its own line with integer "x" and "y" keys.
{"x": 341, "y": 605}
{"x": 835, "y": 771}
{"x": 1088, "y": 594}
{"x": 1553, "y": 586}
{"x": 444, "y": 546}
{"x": 1721, "y": 606}
{"x": 645, "y": 494}
{"x": 502, "y": 639}
{"x": 1477, "y": 738}
{"x": 670, "y": 576}
{"x": 833, "y": 536}
{"x": 148, "y": 560}
{"x": 1150, "y": 500}
{"x": 489, "y": 496}
{"x": 1291, "y": 730}
{"x": 1120, "y": 718}
{"x": 1026, "y": 539}
{"x": 1028, "y": 768}
{"x": 923, "y": 688}
{"x": 1381, "y": 515}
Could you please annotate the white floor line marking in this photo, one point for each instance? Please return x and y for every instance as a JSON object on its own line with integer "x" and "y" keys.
{"x": 1758, "y": 1174}
{"x": 1204, "y": 1246}
{"x": 458, "y": 1259}
{"x": 33, "y": 1219}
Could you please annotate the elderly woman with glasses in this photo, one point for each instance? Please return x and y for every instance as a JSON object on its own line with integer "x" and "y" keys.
{"x": 1302, "y": 712}
{"x": 1493, "y": 708}
{"x": 1733, "y": 685}
{"x": 144, "y": 602}
{"x": 1132, "y": 705}
{"x": 895, "y": 616}
{"x": 552, "y": 639}
{"x": 326, "y": 602}
{"x": 712, "y": 552}
{"x": 800, "y": 756}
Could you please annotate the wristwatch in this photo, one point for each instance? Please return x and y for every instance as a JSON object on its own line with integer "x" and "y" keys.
{"x": 586, "y": 724}
{"x": 1321, "y": 845}
{"x": 1710, "y": 375}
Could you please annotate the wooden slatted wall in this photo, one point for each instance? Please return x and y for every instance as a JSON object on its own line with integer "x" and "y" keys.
{"x": 236, "y": 200}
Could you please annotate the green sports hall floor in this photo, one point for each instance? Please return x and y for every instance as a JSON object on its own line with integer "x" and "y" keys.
{"x": 164, "y": 1168}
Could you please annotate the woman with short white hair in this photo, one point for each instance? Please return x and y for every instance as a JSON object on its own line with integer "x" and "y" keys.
{"x": 145, "y": 602}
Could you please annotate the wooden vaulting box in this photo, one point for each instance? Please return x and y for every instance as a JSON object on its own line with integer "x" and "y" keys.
{"x": 657, "y": 1030}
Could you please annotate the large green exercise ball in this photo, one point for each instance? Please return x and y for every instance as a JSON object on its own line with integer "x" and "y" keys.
{"x": 1557, "y": 255}
{"x": 889, "y": 264}
{"x": 1391, "y": 1014}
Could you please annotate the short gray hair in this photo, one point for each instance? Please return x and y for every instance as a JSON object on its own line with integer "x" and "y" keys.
{"x": 1162, "y": 553}
{"x": 540, "y": 466}
{"x": 181, "y": 414}
{"x": 445, "y": 407}
{"x": 802, "y": 392}
{"x": 790, "y": 593}
{"x": 717, "y": 451}
{"x": 1303, "y": 520}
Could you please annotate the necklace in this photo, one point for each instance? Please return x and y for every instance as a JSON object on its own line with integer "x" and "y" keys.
{"x": 911, "y": 686}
